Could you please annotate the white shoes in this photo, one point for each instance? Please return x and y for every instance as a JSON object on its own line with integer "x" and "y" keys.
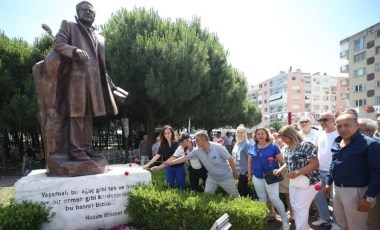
{"x": 321, "y": 222}
{"x": 285, "y": 227}
{"x": 335, "y": 227}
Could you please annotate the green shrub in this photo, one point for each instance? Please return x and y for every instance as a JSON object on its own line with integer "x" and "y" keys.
{"x": 156, "y": 208}
{"x": 25, "y": 215}
{"x": 6, "y": 195}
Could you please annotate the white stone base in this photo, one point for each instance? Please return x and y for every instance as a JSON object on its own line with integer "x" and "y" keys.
{"x": 84, "y": 202}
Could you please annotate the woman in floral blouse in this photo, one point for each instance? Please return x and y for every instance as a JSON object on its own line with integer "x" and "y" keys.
{"x": 302, "y": 163}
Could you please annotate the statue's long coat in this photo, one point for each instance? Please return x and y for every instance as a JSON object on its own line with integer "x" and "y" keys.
{"x": 88, "y": 85}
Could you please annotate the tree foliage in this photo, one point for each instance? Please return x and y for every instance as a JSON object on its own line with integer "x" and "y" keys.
{"x": 175, "y": 71}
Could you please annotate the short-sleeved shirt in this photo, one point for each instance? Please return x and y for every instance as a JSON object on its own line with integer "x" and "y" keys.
{"x": 324, "y": 142}
{"x": 240, "y": 155}
{"x": 263, "y": 159}
{"x": 215, "y": 161}
{"x": 311, "y": 135}
{"x": 155, "y": 147}
{"x": 144, "y": 148}
{"x": 194, "y": 162}
{"x": 300, "y": 157}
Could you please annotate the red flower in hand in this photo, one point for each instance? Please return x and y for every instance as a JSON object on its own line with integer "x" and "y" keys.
{"x": 136, "y": 160}
{"x": 270, "y": 159}
{"x": 317, "y": 187}
{"x": 126, "y": 173}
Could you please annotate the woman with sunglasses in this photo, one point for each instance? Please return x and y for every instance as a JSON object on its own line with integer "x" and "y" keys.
{"x": 263, "y": 156}
{"x": 302, "y": 163}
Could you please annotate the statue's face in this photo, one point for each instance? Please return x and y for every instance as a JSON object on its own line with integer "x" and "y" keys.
{"x": 86, "y": 14}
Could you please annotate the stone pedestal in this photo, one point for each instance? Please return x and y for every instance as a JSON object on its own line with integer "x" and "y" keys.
{"x": 84, "y": 202}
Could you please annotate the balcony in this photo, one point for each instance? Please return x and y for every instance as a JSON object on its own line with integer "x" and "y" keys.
{"x": 344, "y": 69}
{"x": 344, "y": 83}
{"x": 344, "y": 96}
{"x": 344, "y": 55}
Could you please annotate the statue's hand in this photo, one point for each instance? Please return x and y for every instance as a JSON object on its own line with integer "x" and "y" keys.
{"x": 81, "y": 55}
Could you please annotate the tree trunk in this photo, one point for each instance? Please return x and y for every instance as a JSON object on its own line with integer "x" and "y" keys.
{"x": 150, "y": 126}
{"x": 4, "y": 150}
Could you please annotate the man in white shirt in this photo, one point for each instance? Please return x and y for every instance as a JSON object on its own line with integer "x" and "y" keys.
{"x": 306, "y": 130}
{"x": 323, "y": 143}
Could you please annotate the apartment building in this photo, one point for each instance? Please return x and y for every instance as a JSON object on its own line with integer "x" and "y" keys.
{"x": 299, "y": 94}
{"x": 361, "y": 52}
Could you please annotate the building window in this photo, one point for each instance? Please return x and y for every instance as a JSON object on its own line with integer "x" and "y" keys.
{"x": 307, "y": 89}
{"x": 377, "y": 33}
{"x": 359, "y": 88}
{"x": 360, "y": 72}
{"x": 377, "y": 84}
{"x": 295, "y": 106}
{"x": 316, "y": 107}
{"x": 360, "y": 56}
{"x": 377, "y": 49}
{"x": 359, "y": 44}
{"x": 361, "y": 102}
{"x": 316, "y": 88}
{"x": 296, "y": 96}
{"x": 296, "y": 78}
{"x": 325, "y": 98}
{"x": 377, "y": 67}
{"x": 325, "y": 107}
{"x": 377, "y": 100}
{"x": 296, "y": 88}
{"x": 332, "y": 98}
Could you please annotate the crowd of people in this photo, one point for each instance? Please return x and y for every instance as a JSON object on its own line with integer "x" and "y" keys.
{"x": 337, "y": 166}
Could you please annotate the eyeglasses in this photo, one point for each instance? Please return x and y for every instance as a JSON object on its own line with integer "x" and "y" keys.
{"x": 324, "y": 119}
{"x": 303, "y": 122}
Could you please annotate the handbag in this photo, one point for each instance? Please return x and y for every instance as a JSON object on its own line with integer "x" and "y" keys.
{"x": 271, "y": 178}
{"x": 300, "y": 181}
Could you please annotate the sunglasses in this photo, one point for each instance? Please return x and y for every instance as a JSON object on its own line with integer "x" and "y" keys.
{"x": 324, "y": 120}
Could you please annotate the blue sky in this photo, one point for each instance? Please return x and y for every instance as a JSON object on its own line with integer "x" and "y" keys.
{"x": 262, "y": 37}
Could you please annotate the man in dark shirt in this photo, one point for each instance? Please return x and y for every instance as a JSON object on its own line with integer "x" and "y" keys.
{"x": 355, "y": 171}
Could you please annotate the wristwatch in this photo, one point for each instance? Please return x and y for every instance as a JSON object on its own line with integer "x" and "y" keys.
{"x": 369, "y": 199}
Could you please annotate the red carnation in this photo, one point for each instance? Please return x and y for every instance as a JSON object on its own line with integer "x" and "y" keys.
{"x": 270, "y": 159}
{"x": 126, "y": 173}
{"x": 130, "y": 164}
{"x": 317, "y": 187}
{"x": 136, "y": 160}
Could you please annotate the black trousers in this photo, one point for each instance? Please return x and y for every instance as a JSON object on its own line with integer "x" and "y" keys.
{"x": 195, "y": 175}
{"x": 243, "y": 185}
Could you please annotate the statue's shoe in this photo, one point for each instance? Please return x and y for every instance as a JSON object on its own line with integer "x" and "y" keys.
{"x": 81, "y": 156}
{"x": 93, "y": 154}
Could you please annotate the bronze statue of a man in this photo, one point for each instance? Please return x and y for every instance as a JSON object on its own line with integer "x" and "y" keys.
{"x": 73, "y": 87}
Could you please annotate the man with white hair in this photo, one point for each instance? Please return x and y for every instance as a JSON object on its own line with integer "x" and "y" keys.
{"x": 367, "y": 126}
{"x": 306, "y": 130}
{"x": 376, "y": 136}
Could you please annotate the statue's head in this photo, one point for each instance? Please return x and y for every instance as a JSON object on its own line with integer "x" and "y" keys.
{"x": 85, "y": 13}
